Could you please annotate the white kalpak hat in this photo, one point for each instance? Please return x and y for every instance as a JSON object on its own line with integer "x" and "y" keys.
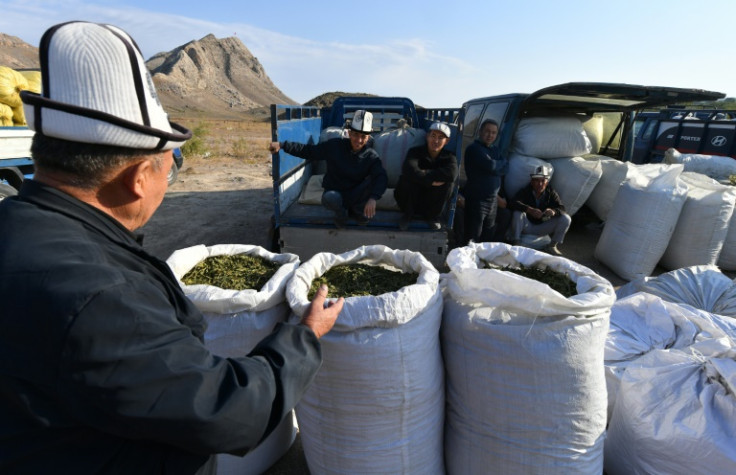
{"x": 362, "y": 121}
{"x": 96, "y": 89}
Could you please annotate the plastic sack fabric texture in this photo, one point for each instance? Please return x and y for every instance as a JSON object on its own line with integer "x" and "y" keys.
{"x": 237, "y": 320}
{"x": 717, "y": 167}
{"x": 703, "y": 223}
{"x": 574, "y": 180}
{"x": 525, "y": 388}
{"x": 727, "y": 257}
{"x": 675, "y": 413}
{"x": 392, "y": 146}
{"x": 520, "y": 169}
{"x": 377, "y": 404}
{"x": 603, "y": 195}
{"x": 551, "y": 137}
{"x": 703, "y": 287}
{"x": 641, "y": 222}
{"x": 642, "y": 322}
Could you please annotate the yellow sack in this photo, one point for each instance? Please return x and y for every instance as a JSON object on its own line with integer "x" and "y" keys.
{"x": 6, "y": 113}
{"x": 11, "y": 83}
{"x": 34, "y": 80}
{"x": 19, "y": 117}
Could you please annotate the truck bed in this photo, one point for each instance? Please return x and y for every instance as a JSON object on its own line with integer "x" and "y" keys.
{"x": 311, "y": 230}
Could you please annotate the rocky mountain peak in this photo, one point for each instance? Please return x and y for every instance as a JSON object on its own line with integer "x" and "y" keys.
{"x": 211, "y": 75}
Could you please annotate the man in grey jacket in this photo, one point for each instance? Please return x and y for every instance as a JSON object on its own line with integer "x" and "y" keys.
{"x": 102, "y": 363}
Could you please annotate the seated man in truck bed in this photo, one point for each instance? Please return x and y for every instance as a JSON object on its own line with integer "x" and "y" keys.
{"x": 427, "y": 179}
{"x": 355, "y": 178}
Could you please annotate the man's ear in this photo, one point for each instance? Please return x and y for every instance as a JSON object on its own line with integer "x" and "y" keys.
{"x": 135, "y": 177}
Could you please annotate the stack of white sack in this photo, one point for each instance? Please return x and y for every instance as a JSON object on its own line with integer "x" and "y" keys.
{"x": 574, "y": 180}
{"x": 377, "y": 404}
{"x": 715, "y": 166}
{"x": 526, "y": 390}
{"x": 643, "y": 322}
{"x": 237, "y": 320}
{"x": 613, "y": 173}
{"x": 392, "y": 146}
{"x": 703, "y": 223}
{"x": 551, "y": 137}
{"x": 675, "y": 413}
{"x": 703, "y": 287}
{"x": 642, "y": 220}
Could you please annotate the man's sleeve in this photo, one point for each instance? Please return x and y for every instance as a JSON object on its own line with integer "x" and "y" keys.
{"x": 134, "y": 370}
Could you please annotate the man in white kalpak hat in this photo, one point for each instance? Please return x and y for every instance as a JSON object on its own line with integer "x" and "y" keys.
{"x": 103, "y": 365}
{"x": 355, "y": 178}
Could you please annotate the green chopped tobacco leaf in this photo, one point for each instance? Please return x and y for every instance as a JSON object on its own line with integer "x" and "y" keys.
{"x": 234, "y": 272}
{"x": 355, "y": 280}
{"x": 556, "y": 280}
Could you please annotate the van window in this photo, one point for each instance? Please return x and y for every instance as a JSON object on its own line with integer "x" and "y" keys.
{"x": 495, "y": 111}
{"x": 471, "y": 120}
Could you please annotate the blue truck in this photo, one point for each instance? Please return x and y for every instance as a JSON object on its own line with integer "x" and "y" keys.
{"x": 699, "y": 131}
{"x": 15, "y": 159}
{"x": 302, "y": 226}
{"x": 612, "y": 106}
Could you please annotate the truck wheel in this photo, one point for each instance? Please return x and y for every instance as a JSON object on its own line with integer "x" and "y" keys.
{"x": 173, "y": 174}
{"x": 7, "y": 190}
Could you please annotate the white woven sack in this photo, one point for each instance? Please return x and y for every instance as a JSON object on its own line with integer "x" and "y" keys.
{"x": 715, "y": 166}
{"x": 237, "y": 320}
{"x": 393, "y": 145}
{"x": 574, "y": 180}
{"x": 613, "y": 174}
{"x": 520, "y": 169}
{"x": 377, "y": 403}
{"x": 703, "y": 223}
{"x": 702, "y": 287}
{"x": 524, "y": 365}
{"x": 643, "y": 322}
{"x": 727, "y": 257}
{"x": 551, "y": 137}
{"x": 675, "y": 413}
{"x": 594, "y": 130}
{"x": 641, "y": 222}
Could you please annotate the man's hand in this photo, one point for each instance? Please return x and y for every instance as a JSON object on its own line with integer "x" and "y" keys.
{"x": 274, "y": 147}
{"x": 438, "y": 183}
{"x": 501, "y": 201}
{"x": 534, "y": 213}
{"x": 548, "y": 213}
{"x": 321, "y": 318}
{"x": 370, "y": 208}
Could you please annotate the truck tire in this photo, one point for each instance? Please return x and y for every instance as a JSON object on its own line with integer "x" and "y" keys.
{"x": 173, "y": 174}
{"x": 7, "y": 190}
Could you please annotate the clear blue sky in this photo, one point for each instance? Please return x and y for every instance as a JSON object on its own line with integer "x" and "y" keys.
{"x": 438, "y": 53}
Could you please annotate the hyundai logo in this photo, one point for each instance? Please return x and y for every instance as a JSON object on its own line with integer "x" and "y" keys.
{"x": 718, "y": 141}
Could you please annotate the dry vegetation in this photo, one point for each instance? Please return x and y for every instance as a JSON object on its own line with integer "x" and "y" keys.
{"x": 243, "y": 140}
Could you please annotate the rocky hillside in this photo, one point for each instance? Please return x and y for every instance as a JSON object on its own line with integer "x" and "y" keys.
{"x": 16, "y": 53}
{"x": 213, "y": 78}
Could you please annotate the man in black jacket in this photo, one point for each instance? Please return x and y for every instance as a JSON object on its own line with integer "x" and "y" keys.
{"x": 428, "y": 176}
{"x": 103, "y": 368}
{"x": 538, "y": 210}
{"x": 355, "y": 179}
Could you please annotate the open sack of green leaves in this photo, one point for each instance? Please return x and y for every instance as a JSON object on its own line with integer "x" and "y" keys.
{"x": 377, "y": 403}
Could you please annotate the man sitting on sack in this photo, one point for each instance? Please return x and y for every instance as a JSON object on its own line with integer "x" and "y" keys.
{"x": 355, "y": 179}
{"x": 538, "y": 210}
{"x": 427, "y": 179}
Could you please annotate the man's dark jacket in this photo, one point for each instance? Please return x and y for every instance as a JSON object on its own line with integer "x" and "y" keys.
{"x": 102, "y": 362}
{"x": 346, "y": 169}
